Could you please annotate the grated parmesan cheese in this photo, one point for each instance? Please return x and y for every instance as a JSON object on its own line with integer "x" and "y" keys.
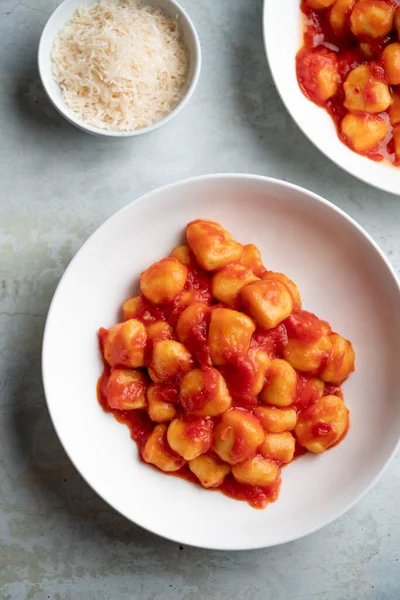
{"x": 121, "y": 65}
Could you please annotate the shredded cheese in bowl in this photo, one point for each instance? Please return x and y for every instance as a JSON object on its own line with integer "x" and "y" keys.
{"x": 121, "y": 65}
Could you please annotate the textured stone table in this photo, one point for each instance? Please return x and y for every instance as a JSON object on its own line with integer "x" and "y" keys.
{"x": 58, "y": 540}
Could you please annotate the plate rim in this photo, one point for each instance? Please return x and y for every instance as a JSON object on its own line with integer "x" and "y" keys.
{"x": 143, "y": 198}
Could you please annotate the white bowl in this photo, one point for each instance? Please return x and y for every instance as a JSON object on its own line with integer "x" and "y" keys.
{"x": 343, "y": 277}
{"x": 282, "y": 26}
{"x": 63, "y": 14}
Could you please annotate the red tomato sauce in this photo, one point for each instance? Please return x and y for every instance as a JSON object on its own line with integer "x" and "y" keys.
{"x": 138, "y": 421}
{"x": 239, "y": 376}
{"x": 271, "y": 341}
{"x": 257, "y": 497}
{"x": 307, "y": 392}
{"x": 318, "y": 36}
{"x": 196, "y": 342}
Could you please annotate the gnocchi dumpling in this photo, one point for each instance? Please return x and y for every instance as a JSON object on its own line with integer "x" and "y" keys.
{"x": 308, "y": 356}
{"x": 131, "y": 308}
{"x": 363, "y": 132}
{"x": 237, "y": 436}
{"x": 212, "y": 245}
{"x": 190, "y": 437}
{"x": 228, "y": 281}
{"x": 203, "y": 392}
{"x": 159, "y": 330}
{"x": 308, "y": 345}
{"x": 373, "y": 18}
{"x": 364, "y": 92}
{"x": 182, "y": 253}
{"x": 268, "y": 302}
{"x": 391, "y": 63}
{"x": 340, "y": 362}
{"x": 161, "y": 402}
{"x": 279, "y": 447}
{"x": 291, "y": 286}
{"x": 163, "y": 281}
{"x": 261, "y": 362}
{"x": 339, "y": 15}
{"x": 276, "y": 420}
{"x": 125, "y": 344}
{"x": 323, "y": 424}
{"x": 318, "y": 74}
{"x": 157, "y": 451}
{"x": 251, "y": 259}
{"x": 210, "y": 471}
{"x": 126, "y": 389}
{"x": 257, "y": 471}
{"x": 229, "y": 334}
{"x": 169, "y": 360}
{"x": 280, "y": 386}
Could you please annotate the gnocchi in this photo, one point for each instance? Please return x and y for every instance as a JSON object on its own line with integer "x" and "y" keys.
{"x": 127, "y": 389}
{"x": 209, "y": 471}
{"x": 237, "y": 436}
{"x": 322, "y": 424}
{"x": 163, "y": 281}
{"x": 190, "y": 437}
{"x": 268, "y": 302}
{"x": 125, "y": 344}
{"x": 161, "y": 402}
{"x": 219, "y": 373}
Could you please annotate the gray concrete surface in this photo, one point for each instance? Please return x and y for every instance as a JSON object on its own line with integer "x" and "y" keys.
{"x": 58, "y": 540}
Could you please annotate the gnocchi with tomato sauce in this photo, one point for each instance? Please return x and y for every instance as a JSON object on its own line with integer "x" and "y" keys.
{"x": 350, "y": 66}
{"x": 221, "y": 376}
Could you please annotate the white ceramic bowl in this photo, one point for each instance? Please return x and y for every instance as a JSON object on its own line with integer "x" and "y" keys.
{"x": 342, "y": 276}
{"x": 63, "y": 14}
{"x": 282, "y": 26}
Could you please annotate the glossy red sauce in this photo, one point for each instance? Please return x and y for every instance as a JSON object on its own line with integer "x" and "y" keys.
{"x": 318, "y": 36}
{"x": 196, "y": 342}
{"x": 199, "y": 429}
{"x": 307, "y": 392}
{"x": 271, "y": 341}
{"x": 239, "y": 377}
{"x": 257, "y": 497}
{"x": 305, "y": 326}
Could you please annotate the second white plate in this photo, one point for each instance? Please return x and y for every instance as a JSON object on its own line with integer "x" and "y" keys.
{"x": 282, "y": 25}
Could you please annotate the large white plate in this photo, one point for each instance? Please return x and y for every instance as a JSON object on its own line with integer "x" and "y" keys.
{"x": 342, "y": 276}
{"x": 282, "y": 25}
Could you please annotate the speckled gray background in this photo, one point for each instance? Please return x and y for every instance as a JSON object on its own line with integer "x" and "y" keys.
{"x": 58, "y": 540}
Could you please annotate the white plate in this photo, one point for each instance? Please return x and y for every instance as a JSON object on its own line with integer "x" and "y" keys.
{"x": 282, "y": 25}
{"x": 342, "y": 276}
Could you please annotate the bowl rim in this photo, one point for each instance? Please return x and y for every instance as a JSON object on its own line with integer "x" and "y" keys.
{"x": 143, "y": 198}
{"x": 372, "y": 183}
{"x": 43, "y": 58}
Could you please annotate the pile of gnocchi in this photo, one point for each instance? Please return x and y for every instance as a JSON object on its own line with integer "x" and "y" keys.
{"x": 350, "y": 65}
{"x": 221, "y": 376}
